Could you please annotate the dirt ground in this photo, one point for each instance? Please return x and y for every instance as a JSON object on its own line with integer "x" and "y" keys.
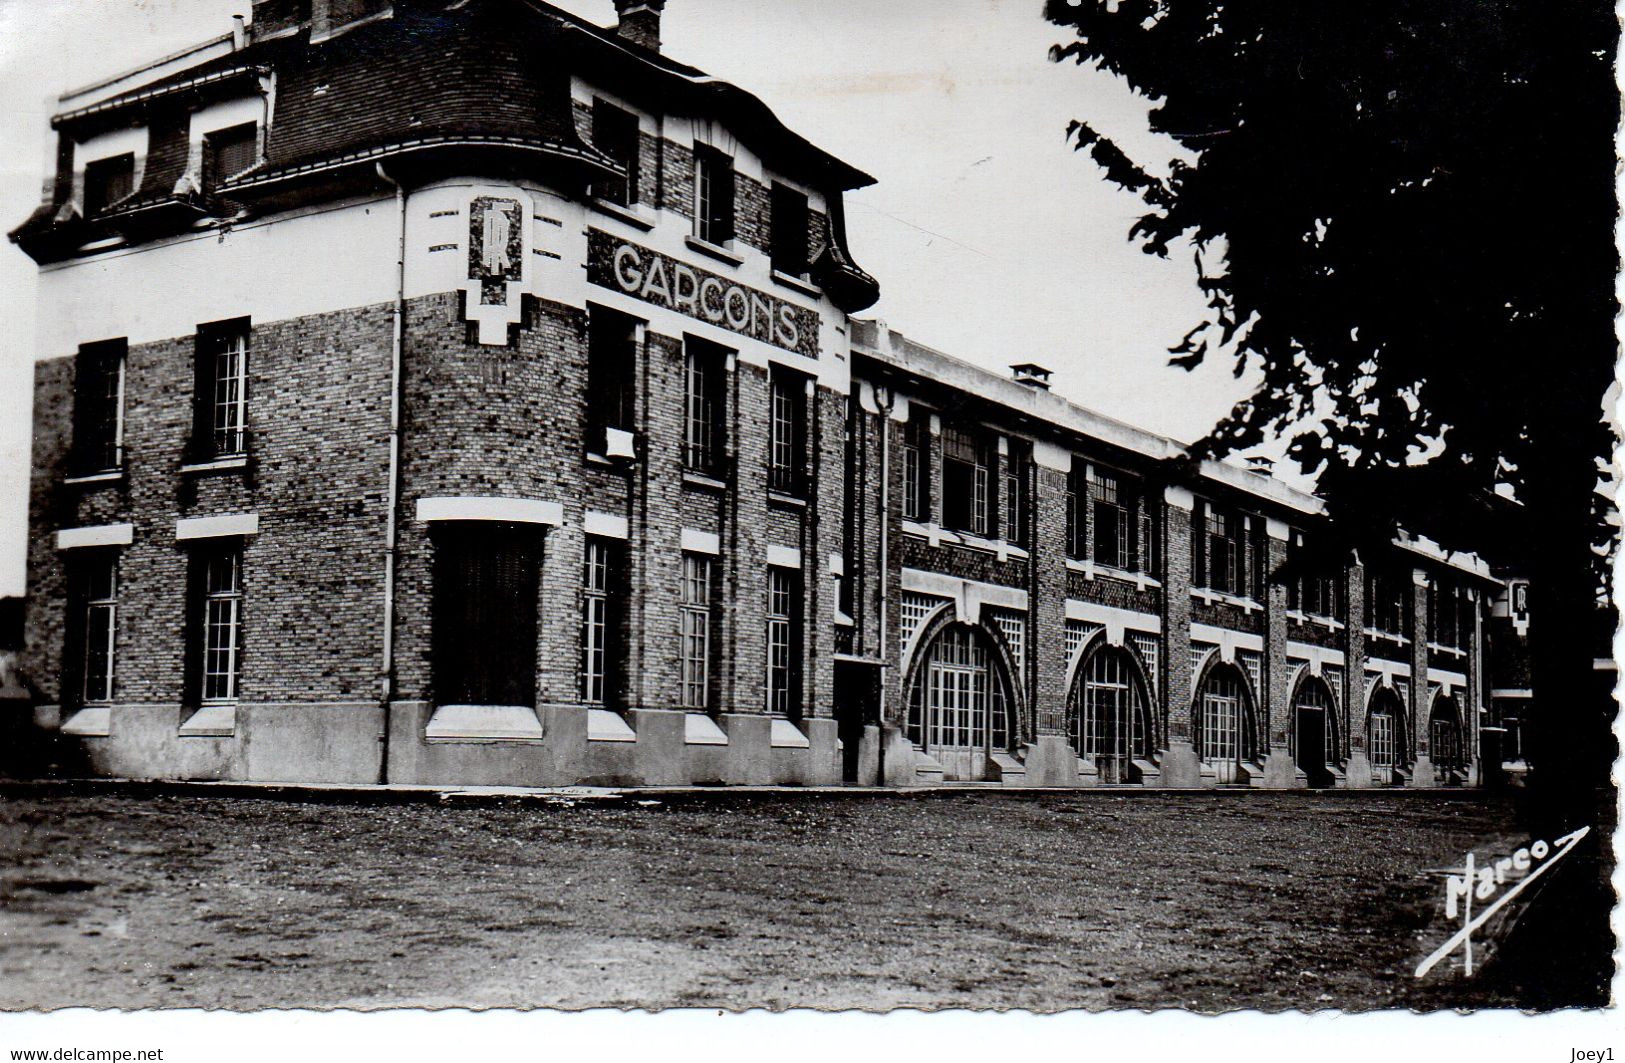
{"x": 973, "y": 899}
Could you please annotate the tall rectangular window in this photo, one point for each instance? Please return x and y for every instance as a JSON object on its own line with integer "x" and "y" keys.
{"x": 222, "y": 603}
{"x": 601, "y": 605}
{"x": 1149, "y": 558}
{"x": 98, "y": 407}
{"x": 486, "y": 577}
{"x": 220, "y": 400}
{"x": 612, "y": 345}
{"x": 704, "y": 403}
{"x": 228, "y": 152}
{"x": 1385, "y": 603}
{"x": 787, "y": 432}
{"x": 1223, "y": 540}
{"x": 1113, "y": 526}
{"x": 1077, "y": 523}
{"x": 694, "y": 610}
{"x": 615, "y": 134}
{"x": 107, "y": 181}
{"x": 93, "y": 583}
{"x": 713, "y": 195}
{"x": 784, "y": 642}
{"x": 1017, "y": 497}
{"x": 917, "y": 464}
{"x": 788, "y": 247}
{"x": 966, "y": 482}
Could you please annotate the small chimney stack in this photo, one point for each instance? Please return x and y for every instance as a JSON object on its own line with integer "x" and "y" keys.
{"x": 239, "y": 35}
{"x": 1034, "y": 376}
{"x": 640, "y": 22}
{"x": 1260, "y": 464}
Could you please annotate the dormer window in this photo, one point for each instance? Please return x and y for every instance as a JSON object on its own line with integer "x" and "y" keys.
{"x": 713, "y": 195}
{"x": 615, "y": 134}
{"x": 228, "y": 152}
{"x": 107, "y": 181}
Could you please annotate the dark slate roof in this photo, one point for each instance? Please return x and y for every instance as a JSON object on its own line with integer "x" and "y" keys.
{"x": 495, "y": 72}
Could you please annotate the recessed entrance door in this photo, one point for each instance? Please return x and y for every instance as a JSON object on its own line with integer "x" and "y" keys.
{"x": 1310, "y": 734}
{"x": 1105, "y": 716}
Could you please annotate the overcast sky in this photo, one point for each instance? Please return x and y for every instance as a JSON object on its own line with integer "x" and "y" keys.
{"x": 991, "y": 239}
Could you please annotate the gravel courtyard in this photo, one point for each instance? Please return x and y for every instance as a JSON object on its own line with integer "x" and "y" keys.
{"x": 971, "y": 898}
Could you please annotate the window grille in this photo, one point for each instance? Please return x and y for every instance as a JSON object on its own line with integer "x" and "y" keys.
{"x": 913, "y": 610}
{"x": 695, "y": 634}
{"x": 1147, "y": 647}
{"x": 222, "y": 625}
{"x": 98, "y": 594}
{"x": 966, "y": 473}
{"x": 784, "y": 648}
{"x": 222, "y": 390}
{"x": 917, "y": 465}
{"x": 98, "y": 396}
{"x": 713, "y": 196}
{"x": 1014, "y": 630}
{"x": 1112, "y": 523}
{"x": 598, "y": 635}
{"x": 703, "y": 408}
{"x": 787, "y": 432}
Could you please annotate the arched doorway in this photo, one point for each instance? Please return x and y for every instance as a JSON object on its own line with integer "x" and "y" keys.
{"x": 1385, "y": 734}
{"x": 1444, "y": 740}
{"x": 1108, "y": 722}
{"x": 1314, "y": 731}
{"x": 1225, "y": 736}
{"x": 959, "y": 702}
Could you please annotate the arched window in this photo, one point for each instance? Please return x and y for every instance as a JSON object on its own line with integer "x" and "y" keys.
{"x": 1444, "y": 734}
{"x": 958, "y": 699}
{"x": 1225, "y": 722}
{"x": 1384, "y": 730}
{"x": 1107, "y": 720}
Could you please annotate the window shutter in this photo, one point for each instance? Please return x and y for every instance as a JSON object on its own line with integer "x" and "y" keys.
{"x": 1199, "y": 544}
{"x": 201, "y": 445}
{"x": 192, "y": 654}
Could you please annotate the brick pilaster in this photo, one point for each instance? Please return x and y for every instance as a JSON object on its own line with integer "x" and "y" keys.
{"x": 1180, "y": 766}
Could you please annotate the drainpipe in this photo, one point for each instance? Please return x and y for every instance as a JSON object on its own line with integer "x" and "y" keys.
{"x": 392, "y": 494}
{"x": 884, "y": 402}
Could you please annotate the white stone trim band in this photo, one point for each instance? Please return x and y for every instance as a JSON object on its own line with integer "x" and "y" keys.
{"x": 784, "y": 557}
{"x": 99, "y": 535}
{"x": 694, "y": 541}
{"x": 606, "y": 525}
{"x": 490, "y": 507}
{"x": 217, "y": 527}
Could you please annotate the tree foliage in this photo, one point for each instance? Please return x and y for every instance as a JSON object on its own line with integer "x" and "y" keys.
{"x": 1403, "y": 212}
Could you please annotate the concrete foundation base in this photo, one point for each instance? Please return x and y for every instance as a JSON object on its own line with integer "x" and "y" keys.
{"x": 1281, "y": 771}
{"x": 750, "y": 750}
{"x": 1181, "y": 769}
{"x": 869, "y": 757}
{"x": 898, "y": 758}
{"x": 660, "y": 755}
{"x": 1423, "y": 776}
{"x": 1357, "y": 773}
{"x": 1051, "y": 762}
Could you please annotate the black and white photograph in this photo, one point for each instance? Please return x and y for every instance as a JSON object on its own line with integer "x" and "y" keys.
{"x": 1061, "y": 519}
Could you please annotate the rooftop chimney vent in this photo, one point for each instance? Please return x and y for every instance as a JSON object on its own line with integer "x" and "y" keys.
{"x": 1034, "y": 376}
{"x": 640, "y": 22}
{"x": 1260, "y": 464}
